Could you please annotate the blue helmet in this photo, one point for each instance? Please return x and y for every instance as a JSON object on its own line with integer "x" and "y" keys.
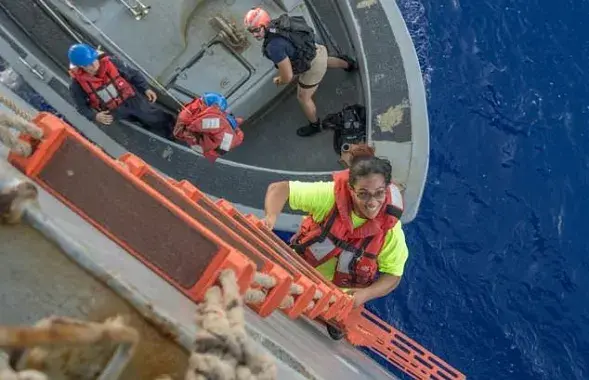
{"x": 210, "y": 98}
{"x": 82, "y": 55}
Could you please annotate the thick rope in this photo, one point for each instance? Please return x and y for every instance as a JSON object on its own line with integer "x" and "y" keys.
{"x": 263, "y": 283}
{"x": 254, "y": 296}
{"x": 21, "y": 124}
{"x": 222, "y": 349}
{"x": 69, "y": 348}
{"x": 14, "y": 108}
{"x": 296, "y": 290}
{"x": 14, "y": 197}
{"x": 13, "y": 143}
{"x": 10, "y": 140}
{"x": 318, "y": 295}
{"x": 7, "y": 373}
{"x": 287, "y": 302}
{"x": 266, "y": 282}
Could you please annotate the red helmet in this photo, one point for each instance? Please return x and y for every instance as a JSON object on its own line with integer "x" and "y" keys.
{"x": 256, "y": 18}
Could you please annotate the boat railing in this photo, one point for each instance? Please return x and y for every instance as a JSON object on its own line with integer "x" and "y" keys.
{"x": 188, "y": 239}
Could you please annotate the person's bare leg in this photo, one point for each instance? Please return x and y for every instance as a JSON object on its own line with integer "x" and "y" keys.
{"x": 337, "y": 63}
{"x": 305, "y": 98}
{"x": 343, "y": 62}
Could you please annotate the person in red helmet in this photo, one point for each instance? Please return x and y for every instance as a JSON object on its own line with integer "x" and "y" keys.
{"x": 290, "y": 43}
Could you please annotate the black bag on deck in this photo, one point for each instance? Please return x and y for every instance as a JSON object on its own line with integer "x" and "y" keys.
{"x": 349, "y": 126}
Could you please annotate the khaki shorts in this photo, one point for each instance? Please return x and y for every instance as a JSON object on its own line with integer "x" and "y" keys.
{"x": 315, "y": 74}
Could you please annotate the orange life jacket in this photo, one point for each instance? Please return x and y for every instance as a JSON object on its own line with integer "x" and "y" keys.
{"x": 206, "y": 129}
{"x": 107, "y": 89}
{"x": 357, "y": 249}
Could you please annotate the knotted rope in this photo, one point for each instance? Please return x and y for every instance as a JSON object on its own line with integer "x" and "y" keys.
{"x": 14, "y": 197}
{"x": 70, "y": 348}
{"x": 14, "y": 108}
{"x": 7, "y": 373}
{"x": 10, "y": 140}
{"x": 222, "y": 349}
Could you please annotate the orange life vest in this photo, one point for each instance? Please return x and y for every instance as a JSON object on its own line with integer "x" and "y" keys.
{"x": 206, "y": 129}
{"x": 357, "y": 249}
{"x": 107, "y": 89}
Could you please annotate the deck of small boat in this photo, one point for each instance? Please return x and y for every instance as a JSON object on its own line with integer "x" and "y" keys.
{"x": 273, "y": 134}
{"x": 271, "y": 141}
{"x": 270, "y": 135}
{"x": 272, "y": 151}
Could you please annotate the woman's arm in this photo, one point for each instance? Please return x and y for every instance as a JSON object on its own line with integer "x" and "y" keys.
{"x": 314, "y": 198}
{"x": 276, "y": 197}
{"x": 385, "y": 284}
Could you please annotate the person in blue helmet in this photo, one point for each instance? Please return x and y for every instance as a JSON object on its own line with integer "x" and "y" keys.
{"x": 105, "y": 89}
{"x": 214, "y": 98}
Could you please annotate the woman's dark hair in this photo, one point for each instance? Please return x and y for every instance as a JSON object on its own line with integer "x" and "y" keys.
{"x": 366, "y": 164}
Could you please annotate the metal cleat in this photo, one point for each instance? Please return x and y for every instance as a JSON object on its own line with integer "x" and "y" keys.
{"x": 139, "y": 10}
{"x": 228, "y": 32}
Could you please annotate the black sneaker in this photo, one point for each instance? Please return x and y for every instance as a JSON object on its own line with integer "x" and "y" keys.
{"x": 352, "y": 64}
{"x": 335, "y": 333}
{"x": 309, "y": 129}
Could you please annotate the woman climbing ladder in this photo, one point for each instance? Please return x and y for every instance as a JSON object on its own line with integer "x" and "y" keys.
{"x": 352, "y": 234}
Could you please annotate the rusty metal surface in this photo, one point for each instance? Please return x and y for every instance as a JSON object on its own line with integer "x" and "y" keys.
{"x": 142, "y": 223}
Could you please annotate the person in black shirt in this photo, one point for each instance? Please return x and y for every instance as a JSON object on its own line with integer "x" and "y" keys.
{"x": 295, "y": 53}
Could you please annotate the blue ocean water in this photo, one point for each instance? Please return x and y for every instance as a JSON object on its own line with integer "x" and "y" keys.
{"x": 497, "y": 279}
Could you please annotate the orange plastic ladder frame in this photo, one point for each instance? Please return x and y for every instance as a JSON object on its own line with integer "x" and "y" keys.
{"x": 301, "y": 301}
{"x": 278, "y": 293}
{"x": 323, "y": 308}
{"x": 56, "y": 133}
{"x": 366, "y": 329}
{"x": 343, "y": 304}
{"x": 53, "y": 136}
{"x": 363, "y": 327}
